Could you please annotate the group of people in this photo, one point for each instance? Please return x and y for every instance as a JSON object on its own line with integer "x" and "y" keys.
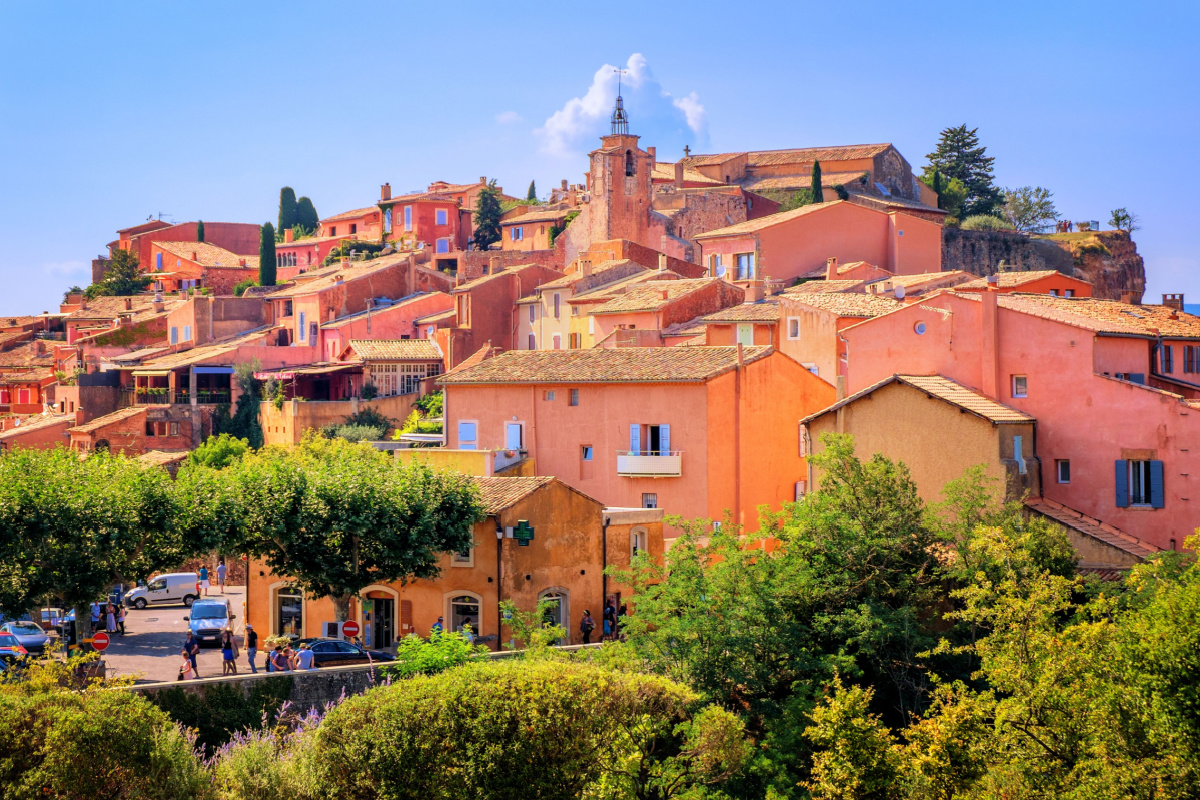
{"x": 1064, "y": 226}
{"x": 112, "y": 615}
{"x": 282, "y": 659}
{"x": 613, "y": 620}
{"x": 205, "y": 583}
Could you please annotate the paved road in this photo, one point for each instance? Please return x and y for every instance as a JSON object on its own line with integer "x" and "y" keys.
{"x": 153, "y": 639}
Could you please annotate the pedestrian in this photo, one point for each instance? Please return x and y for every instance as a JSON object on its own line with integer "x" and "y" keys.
{"x": 610, "y": 620}
{"x": 586, "y": 626}
{"x": 121, "y": 612}
{"x": 204, "y": 579}
{"x": 437, "y": 628}
{"x": 251, "y": 647}
{"x": 290, "y": 655}
{"x": 110, "y": 618}
{"x": 621, "y": 622}
{"x": 229, "y": 653}
{"x": 95, "y": 617}
{"x": 185, "y": 669}
{"x": 192, "y": 647}
{"x": 221, "y": 575}
{"x": 304, "y": 659}
{"x": 279, "y": 662}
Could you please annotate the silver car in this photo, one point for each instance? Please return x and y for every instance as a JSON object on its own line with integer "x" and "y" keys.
{"x": 209, "y": 618}
{"x": 29, "y": 634}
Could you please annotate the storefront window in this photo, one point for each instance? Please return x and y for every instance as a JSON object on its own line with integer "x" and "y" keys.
{"x": 464, "y": 610}
{"x": 290, "y": 604}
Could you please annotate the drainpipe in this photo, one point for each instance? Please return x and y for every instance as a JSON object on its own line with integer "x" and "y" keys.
{"x": 737, "y": 437}
{"x": 499, "y": 584}
{"x": 604, "y": 564}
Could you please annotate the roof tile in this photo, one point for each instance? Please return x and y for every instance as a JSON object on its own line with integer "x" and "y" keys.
{"x": 498, "y": 494}
{"x": 396, "y": 349}
{"x": 619, "y": 365}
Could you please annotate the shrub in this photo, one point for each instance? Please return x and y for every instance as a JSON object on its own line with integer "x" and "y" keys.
{"x": 240, "y": 287}
{"x": 985, "y": 222}
{"x": 222, "y": 710}
{"x": 431, "y": 404}
{"x": 354, "y": 433}
{"x": 369, "y": 391}
{"x": 270, "y": 763}
{"x": 417, "y": 656}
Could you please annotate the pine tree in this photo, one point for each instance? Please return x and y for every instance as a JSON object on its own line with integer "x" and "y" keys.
{"x": 818, "y": 194}
{"x": 123, "y": 277}
{"x": 200, "y": 231}
{"x": 266, "y": 256}
{"x": 532, "y": 193}
{"x": 287, "y": 208}
{"x": 306, "y": 215}
{"x": 959, "y": 155}
{"x": 487, "y": 217}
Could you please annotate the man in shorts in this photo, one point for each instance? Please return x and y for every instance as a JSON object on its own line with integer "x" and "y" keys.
{"x": 204, "y": 579}
{"x": 221, "y": 575}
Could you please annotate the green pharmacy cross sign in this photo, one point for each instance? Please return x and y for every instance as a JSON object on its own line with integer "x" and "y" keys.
{"x": 523, "y": 533}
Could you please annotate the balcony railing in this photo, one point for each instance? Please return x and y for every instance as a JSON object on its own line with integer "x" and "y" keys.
{"x": 164, "y": 396}
{"x": 648, "y": 464}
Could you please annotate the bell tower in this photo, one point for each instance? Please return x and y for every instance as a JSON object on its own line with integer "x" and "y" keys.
{"x": 620, "y": 180}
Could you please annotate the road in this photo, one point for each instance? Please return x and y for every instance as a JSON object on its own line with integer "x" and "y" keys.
{"x": 150, "y": 648}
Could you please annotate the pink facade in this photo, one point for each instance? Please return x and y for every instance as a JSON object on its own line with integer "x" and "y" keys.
{"x": 396, "y": 321}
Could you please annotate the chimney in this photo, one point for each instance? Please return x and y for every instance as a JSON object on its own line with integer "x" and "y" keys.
{"x": 755, "y": 291}
{"x": 665, "y": 294}
{"x": 158, "y": 303}
{"x": 288, "y": 235}
{"x": 483, "y": 179}
{"x": 651, "y": 151}
{"x": 564, "y": 185}
{"x": 1127, "y": 297}
{"x": 678, "y": 175}
{"x": 83, "y": 303}
{"x": 242, "y": 261}
{"x": 385, "y": 193}
{"x": 1174, "y": 301}
{"x": 662, "y": 261}
{"x": 494, "y": 264}
{"x": 39, "y": 347}
{"x": 989, "y": 337}
{"x": 194, "y": 256}
{"x": 831, "y": 269}
{"x": 128, "y": 303}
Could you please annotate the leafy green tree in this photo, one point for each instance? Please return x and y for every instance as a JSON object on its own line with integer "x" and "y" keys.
{"x": 959, "y": 155}
{"x": 531, "y": 195}
{"x": 797, "y": 199}
{"x": 306, "y": 215}
{"x": 1029, "y": 208}
{"x": 535, "y": 629}
{"x": 219, "y": 451}
{"x": 266, "y": 256}
{"x": 200, "y": 231}
{"x": 123, "y": 277}
{"x": 487, "y": 216}
{"x": 240, "y": 287}
{"x": 856, "y": 756}
{"x": 287, "y": 209}
{"x": 1124, "y": 220}
{"x": 72, "y": 290}
{"x": 244, "y": 423}
{"x": 818, "y": 193}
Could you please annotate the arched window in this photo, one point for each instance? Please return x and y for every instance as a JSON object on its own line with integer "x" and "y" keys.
{"x": 637, "y": 542}
{"x": 629, "y": 163}
{"x": 464, "y": 610}
{"x": 559, "y": 610}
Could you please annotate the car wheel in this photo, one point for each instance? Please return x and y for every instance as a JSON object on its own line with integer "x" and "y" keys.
{"x": 188, "y": 600}
{"x": 139, "y": 604}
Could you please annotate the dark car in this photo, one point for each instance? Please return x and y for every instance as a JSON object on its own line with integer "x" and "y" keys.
{"x": 336, "y": 653}
{"x": 10, "y": 648}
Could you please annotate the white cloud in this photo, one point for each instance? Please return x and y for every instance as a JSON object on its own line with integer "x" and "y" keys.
{"x": 508, "y": 117}
{"x": 658, "y": 117}
{"x": 67, "y": 269}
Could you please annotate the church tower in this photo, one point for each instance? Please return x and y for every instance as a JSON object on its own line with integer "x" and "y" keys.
{"x": 620, "y": 180}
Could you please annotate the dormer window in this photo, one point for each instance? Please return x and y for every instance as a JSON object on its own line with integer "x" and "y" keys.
{"x": 629, "y": 163}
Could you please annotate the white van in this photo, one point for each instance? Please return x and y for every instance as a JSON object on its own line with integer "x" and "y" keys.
{"x": 177, "y": 587}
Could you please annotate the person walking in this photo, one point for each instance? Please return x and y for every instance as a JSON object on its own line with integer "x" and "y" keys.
{"x": 586, "y": 626}
{"x": 110, "y": 618}
{"x": 221, "y": 575}
{"x": 204, "y": 579}
{"x": 95, "y": 617}
{"x": 252, "y": 647}
{"x": 436, "y": 628}
{"x": 121, "y": 612}
{"x": 229, "y": 653}
{"x": 192, "y": 647}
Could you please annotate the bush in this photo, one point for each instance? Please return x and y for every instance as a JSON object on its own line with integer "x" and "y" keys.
{"x": 240, "y": 287}
{"x": 985, "y": 222}
{"x": 417, "y": 656}
{"x": 354, "y": 433}
{"x": 271, "y": 763}
{"x": 431, "y": 404}
{"x": 369, "y": 391}
{"x": 222, "y": 710}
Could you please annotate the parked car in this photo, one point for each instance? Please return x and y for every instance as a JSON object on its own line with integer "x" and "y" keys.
{"x": 208, "y": 618}
{"x": 337, "y": 653}
{"x": 176, "y": 587}
{"x": 29, "y": 634}
{"x": 11, "y": 648}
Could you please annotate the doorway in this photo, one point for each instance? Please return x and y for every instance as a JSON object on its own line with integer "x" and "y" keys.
{"x": 385, "y": 622}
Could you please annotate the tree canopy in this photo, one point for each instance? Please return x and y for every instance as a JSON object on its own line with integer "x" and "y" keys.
{"x": 200, "y": 231}
{"x": 487, "y": 216}
{"x": 122, "y": 277}
{"x": 818, "y": 194}
{"x": 951, "y": 192}
{"x": 959, "y": 155}
{"x": 1124, "y": 220}
{"x": 287, "y": 209}
{"x": 306, "y": 215}
{"x": 266, "y": 255}
{"x": 532, "y": 193}
{"x": 1028, "y": 208}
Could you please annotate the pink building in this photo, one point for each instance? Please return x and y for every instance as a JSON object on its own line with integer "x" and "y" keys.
{"x": 638, "y": 316}
{"x": 396, "y": 320}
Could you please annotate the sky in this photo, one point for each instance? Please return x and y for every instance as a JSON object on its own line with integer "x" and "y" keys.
{"x": 111, "y": 113}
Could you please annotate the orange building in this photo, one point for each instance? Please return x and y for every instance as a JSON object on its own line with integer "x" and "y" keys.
{"x": 531, "y": 230}
{"x": 424, "y": 220}
{"x": 637, "y": 317}
{"x": 812, "y": 325}
{"x": 1042, "y": 281}
{"x": 541, "y": 540}
{"x": 486, "y": 311}
{"x": 236, "y": 237}
{"x": 361, "y": 223}
{"x": 41, "y": 432}
{"x": 697, "y": 431}
{"x": 193, "y": 265}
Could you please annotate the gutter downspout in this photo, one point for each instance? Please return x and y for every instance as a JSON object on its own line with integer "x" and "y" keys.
{"x": 604, "y": 565}
{"x": 737, "y": 436}
{"x": 499, "y": 583}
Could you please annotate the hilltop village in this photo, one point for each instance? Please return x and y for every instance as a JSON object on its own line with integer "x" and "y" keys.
{"x": 665, "y": 337}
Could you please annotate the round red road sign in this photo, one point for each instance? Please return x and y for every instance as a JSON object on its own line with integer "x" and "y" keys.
{"x": 100, "y": 640}
{"x": 350, "y": 628}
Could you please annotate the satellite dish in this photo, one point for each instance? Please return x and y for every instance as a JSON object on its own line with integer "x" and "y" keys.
{"x": 899, "y": 291}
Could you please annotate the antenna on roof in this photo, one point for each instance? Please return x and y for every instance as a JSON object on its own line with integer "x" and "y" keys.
{"x": 620, "y": 121}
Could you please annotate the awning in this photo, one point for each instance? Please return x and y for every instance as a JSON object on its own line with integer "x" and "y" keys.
{"x": 151, "y": 373}
{"x": 211, "y": 370}
{"x": 317, "y": 369}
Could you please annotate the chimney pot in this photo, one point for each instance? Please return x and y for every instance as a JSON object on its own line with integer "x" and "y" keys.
{"x": 662, "y": 261}
{"x": 128, "y": 303}
{"x": 288, "y": 235}
{"x": 678, "y": 175}
{"x": 665, "y": 294}
{"x": 831, "y": 266}
{"x": 385, "y": 192}
{"x": 194, "y": 255}
{"x": 1173, "y": 301}
{"x": 483, "y": 179}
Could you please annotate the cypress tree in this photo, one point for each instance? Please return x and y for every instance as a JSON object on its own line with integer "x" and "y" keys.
{"x": 306, "y": 215}
{"x": 287, "y": 208}
{"x": 818, "y": 194}
{"x": 200, "y": 231}
{"x": 532, "y": 193}
{"x": 937, "y": 187}
{"x": 266, "y": 256}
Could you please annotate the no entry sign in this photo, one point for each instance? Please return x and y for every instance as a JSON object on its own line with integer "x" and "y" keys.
{"x": 100, "y": 640}
{"x": 350, "y": 628}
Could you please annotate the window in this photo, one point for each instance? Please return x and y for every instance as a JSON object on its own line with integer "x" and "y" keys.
{"x": 387, "y": 222}
{"x": 549, "y": 394}
{"x": 1019, "y": 454}
{"x": 574, "y": 397}
{"x": 591, "y": 325}
{"x": 1190, "y": 353}
{"x": 303, "y": 327}
{"x": 717, "y": 267}
{"x": 442, "y": 246}
{"x": 466, "y": 435}
{"x": 353, "y": 229}
{"x": 586, "y": 452}
{"x": 174, "y": 335}
{"x": 650, "y": 440}
{"x": 649, "y": 500}
{"x": 440, "y": 214}
{"x": 630, "y": 164}
{"x": 532, "y": 342}
{"x": 1139, "y": 483}
{"x": 463, "y": 558}
{"x": 575, "y": 340}
{"x": 745, "y": 333}
{"x": 514, "y": 436}
{"x": 516, "y": 233}
{"x": 532, "y": 312}
{"x": 801, "y": 489}
{"x": 1166, "y": 358}
{"x": 287, "y": 308}
{"x": 1054, "y": 292}
{"x": 289, "y": 606}
{"x": 1020, "y": 386}
{"x": 158, "y": 262}
{"x": 1062, "y": 467}
{"x": 556, "y": 339}
{"x": 793, "y": 327}
{"x": 333, "y": 230}
{"x": 1068, "y": 293}
{"x": 919, "y": 329}
{"x": 744, "y": 263}
{"x": 637, "y": 542}
{"x": 464, "y": 612}
{"x": 408, "y": 218}
{"x": 557, "y": 310}
{"x": 187, "y": 333}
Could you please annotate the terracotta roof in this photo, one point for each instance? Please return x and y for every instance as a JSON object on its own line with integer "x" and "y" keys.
{"x": 12, "y": 322}
{"x": 309, "y": 241}
{"x": 806, "y": 155}
{"x": 613, "y": 282}
{"x": 263, "y": 291}
{"x": 161, "y": 458}
{"x": 665, "y": 171}
{"x": 207, "y": 255}
{"x": 25, "y": 355}
{"x": 1104, "y": 316}
{"x": 1092, "y": 528}
{"x": 396, "y": 349}
{"x": 620, "y": 365}
{"x": 530, "y": 217}
{"x": 693, "y": 327}
{"x": 36, "y": 423}
{"x": 420, "y": 197}
{"x": 30, "y": 376}
{"x": 109, "y": 308}
{"x": 894, "y": 203}
{"x": 1009, "y": 280}
{"x": 358, "y": 212}
{"x": 204, "y": 352}
{"x": 753, "y": 225}
{"x": 109, "y": 419}
{"x": 946, "y": 390}
{"x": 471, "y": 284}
{"x": 801, "y": 181}
{"x": 449, "y": 315}
{"x": 949, "y": 277}
{"x": 336, "y": 274}
{"x": 498, "y": 494}
{"x": 764, "y": 311}
{"x": 442, "y": 186}
{"x": 652, "y": 295}
{"x": 848, "y": 304}
{"x": 152, "y": 225}
{"x": 823, "y": 287}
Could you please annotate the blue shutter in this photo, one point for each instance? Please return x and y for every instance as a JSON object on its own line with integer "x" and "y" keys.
{"x": 635, "y": 439}
{"x": 158, "y": 261}
{"x": 664, "y": 439}
{"x": 1156, "y": 484}
{"x": 1122, "y": 476}
{"x": 1137, "y": 377}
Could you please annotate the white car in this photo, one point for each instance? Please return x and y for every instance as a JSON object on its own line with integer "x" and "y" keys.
{"x": 175, "y": 587}
{"x": 29, "y": 634}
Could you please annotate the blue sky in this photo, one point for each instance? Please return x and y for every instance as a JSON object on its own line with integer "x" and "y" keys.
{"x": 112, "y": 112}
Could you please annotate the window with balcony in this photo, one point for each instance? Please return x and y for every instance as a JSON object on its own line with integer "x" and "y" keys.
{"x": 650, "y": 440}
{"x": 514, "y": 436}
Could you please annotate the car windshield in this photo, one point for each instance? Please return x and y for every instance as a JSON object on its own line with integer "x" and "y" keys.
{"x": 8, "y": 640}
{"x": 25, "y": 629}
{"x": 208, "y": 612}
